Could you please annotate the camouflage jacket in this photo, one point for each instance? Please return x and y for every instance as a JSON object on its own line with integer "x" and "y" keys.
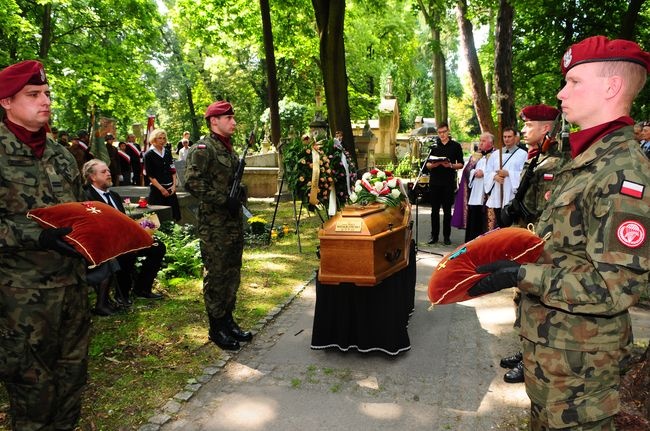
{"x": 26, "y": 183}
{"x": 596, "y": 262}
{"x": 209, "y": 172}
{"x": 543, "y": 181}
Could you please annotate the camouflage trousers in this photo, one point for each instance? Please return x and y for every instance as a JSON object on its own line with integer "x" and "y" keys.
{"x": 571, "y": 389}
{"x": 221, "y": 250}
{"x": 44, "y": 336}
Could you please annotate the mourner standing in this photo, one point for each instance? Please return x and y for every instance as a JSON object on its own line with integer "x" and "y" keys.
{"x": 211, "y": 165}
{"x": 476, "y": 211}
{"x": 44, "y": 316}
{"x": 575, "y": 324}
{"x": 443, "y": 182}
{"x": 161, "y": 172}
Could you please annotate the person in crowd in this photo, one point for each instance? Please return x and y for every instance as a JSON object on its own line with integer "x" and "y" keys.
{"x": 179, "y": 144}
{"x": 125, "y": 164}
{"x": 97, "y": 188}
{"x": 638, "y": 127}
{"x": 64, "y": 138}
{"x": 459, "y": 214}
{"x": 645, "y": 136}
{"x": 211, "y": 166}
{"x": 476, "y": 211}
{"x": 80, "y": 149}
{"x": 448, "y": 158}
{"x": 44, "y": 312}
{"x": 113, "y": 156}
{"x": 575, "y": 323}
{"x": 135, "y": 153}
{"x": 501, "y": 181}
{"x": 539, "y": 121}
{"x": 182, "y": 153}
{"x": 160, "y": 169}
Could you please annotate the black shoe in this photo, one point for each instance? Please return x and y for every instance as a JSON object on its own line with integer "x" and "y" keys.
{"x": 236, "y": 332}
{"x": 511, "y": 361}
{"x": 222, "y": 338}
{"x": 447, "y": 242}
{"x": 516, "y": 375}
{"x": 433, "y": 241}
{"x": 148, "y": 295}
{"x": 101, "y": 310}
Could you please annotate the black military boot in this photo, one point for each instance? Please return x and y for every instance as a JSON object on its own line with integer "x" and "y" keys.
{"x": 511, "y": 361}
{"x": 220, "y": 335}
{"x": 236, "y": 332}
{"x": 516, "y": 375}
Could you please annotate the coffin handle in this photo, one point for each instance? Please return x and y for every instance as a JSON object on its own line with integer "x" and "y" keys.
{"x": 393, "y": 256}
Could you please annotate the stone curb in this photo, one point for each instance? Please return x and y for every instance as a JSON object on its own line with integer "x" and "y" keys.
{"x": 174, "y": 404}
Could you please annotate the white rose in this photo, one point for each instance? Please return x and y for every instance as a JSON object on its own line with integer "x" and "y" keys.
{"x": 381, "y": 175}
{"x": 379, "y": 186}
{"x": 395, "y": 193}
{"x": 357, "y": 183}
{"x": 366, "y": 176}
{"x": 353, "y": 197}
{"x": 392, "y": 183}
{"x": 358, "y": 187}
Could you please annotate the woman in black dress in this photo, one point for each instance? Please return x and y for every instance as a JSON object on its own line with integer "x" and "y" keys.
{"x": 160, "y": 169}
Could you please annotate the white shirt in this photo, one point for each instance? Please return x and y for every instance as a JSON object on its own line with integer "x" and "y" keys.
{"x": 513, "y": 162}
{"x": 182, "y": 153}
{"x": 477, "y": 191}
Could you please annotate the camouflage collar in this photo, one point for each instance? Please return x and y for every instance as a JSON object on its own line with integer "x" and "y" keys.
{"x": 603, "y": 146}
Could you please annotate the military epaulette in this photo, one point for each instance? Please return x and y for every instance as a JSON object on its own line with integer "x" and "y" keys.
{"x": 201, "y": 146}
{"x": 630, "y": 188}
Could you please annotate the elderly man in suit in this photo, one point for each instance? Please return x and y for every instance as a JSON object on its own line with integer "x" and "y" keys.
{"x": 98, "y": 180}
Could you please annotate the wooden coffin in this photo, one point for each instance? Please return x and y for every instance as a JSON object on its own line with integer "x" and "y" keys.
{"x": 365, "y": 244}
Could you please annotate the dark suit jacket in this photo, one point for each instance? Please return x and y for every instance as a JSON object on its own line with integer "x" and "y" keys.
{"x": 91, "y": 194}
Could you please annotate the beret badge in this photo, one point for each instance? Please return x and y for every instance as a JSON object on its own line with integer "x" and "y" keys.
{"x": 567, "y": 58}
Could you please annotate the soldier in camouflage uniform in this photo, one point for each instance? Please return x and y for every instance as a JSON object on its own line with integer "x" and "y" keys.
{"x": 211, "y": 165}
{"x": 44, "y": 318}
{"x": 538, "y": 122}
{"x": 575, "y": 324}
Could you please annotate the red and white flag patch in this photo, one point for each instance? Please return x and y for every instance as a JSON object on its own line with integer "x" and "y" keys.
{"x": 631, "y": 233}
{"x": 630, "y": 188}
{"x": 548, "y": 177}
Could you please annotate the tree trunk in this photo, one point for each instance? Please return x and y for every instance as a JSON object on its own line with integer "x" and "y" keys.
{"x": 628, "y": 23}
{"x": 503, "y": 65}
{"x": 432, "y": 15}
{"x": 481, "y": 101}
{"x": 271, "y": 72}
{"x": 46, "y": 32}
{"x": 330, "y": 16}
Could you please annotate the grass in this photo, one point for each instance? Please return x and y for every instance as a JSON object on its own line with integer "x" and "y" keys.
{"x": 140, "y": 359}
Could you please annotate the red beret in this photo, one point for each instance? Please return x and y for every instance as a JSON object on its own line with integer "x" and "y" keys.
{"x": 13, "y": 78}
{"x": 219, "y": 108}
{"x": 539, "y": 113}
{"x": 599, "y": 48}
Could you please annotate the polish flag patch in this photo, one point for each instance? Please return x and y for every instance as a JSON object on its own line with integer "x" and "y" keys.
{"x": 631, "y": 233}
{"x": 633, "y": 189}
{"x": 548, "y": 177}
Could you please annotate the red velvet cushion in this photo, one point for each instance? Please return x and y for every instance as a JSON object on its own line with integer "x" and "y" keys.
{"x": 456, "y": 272}
{"x": 99, "y": 231}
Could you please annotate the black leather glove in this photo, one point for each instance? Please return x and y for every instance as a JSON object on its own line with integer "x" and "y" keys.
{"x": 233, "y": 205}
{"x": 504, "y": 274}
{"x": 52, "y": 239}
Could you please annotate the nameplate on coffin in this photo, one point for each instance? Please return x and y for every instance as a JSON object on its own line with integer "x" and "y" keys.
{"x": 344, "y": 225}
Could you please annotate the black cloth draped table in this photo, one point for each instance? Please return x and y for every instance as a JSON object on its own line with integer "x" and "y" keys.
{"x": 366, "y": 318}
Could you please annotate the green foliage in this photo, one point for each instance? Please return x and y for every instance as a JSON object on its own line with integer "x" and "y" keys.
{"x": 404, "y": 168}
{"x": 293, "y": 117}
{"x": 183, "y": 256}
{"x": 257, "y": 225}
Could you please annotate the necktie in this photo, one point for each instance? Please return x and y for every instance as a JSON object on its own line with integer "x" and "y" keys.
{"x": 109, "y": 201}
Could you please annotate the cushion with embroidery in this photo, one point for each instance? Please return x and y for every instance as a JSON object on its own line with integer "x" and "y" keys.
{"x": 456, "y": 272}
{"x": 99, "y": 231}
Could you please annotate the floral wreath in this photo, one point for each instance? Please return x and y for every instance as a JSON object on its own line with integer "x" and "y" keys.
{"x": 319, "y": 173}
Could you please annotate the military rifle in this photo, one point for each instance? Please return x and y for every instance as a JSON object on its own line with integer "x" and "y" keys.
{"x": 516, "y": 209}
{"x": 235, "y": 189}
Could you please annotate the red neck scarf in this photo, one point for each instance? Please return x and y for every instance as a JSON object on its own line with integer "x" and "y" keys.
{"x": 582, "y": 139}
{"x": 34, "y": 140}
{"x": 226, "y": 141}
{"x": 532, "y": 152}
